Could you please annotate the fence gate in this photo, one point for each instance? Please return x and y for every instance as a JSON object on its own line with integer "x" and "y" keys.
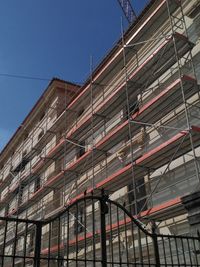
{"x": 93, "y": 231}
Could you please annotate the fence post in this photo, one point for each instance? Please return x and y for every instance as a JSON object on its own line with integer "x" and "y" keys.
{"x": 38, "y": 237}
{"x": 155, "y": 245}
{"x": 104, "y": 211}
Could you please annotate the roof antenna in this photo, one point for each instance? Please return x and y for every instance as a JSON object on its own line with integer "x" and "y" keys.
{"x": 128, "y": 10}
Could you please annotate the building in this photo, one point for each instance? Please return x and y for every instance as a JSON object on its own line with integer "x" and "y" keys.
{"x": 133, "y": 129}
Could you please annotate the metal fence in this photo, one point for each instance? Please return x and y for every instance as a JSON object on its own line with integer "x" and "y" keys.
{"x": 92, "y": 231}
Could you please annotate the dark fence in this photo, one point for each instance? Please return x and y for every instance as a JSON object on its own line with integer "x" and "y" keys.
{"x": 93, "y": 231}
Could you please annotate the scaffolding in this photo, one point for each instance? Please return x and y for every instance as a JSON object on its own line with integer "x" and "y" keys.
{"x": 132, "y": 129}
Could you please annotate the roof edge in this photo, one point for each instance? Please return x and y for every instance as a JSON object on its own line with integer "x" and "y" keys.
{"x": 54, "y": 79}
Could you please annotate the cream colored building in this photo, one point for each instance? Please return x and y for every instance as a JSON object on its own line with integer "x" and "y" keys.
{"x": 134, "y": 130}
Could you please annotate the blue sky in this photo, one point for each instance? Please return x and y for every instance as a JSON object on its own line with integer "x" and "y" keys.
{"x": 50, "y": 38}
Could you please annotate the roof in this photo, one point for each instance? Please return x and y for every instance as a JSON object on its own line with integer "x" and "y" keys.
{"x": 34, "y": 108}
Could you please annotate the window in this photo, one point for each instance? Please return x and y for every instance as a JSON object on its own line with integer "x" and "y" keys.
{"x": 24, "y": 161}
{"x": 37, "y": 184}
{"x": 194, "y": 12}
{"x": 133, "y": 107}
{"x": 78, "y": 221}
{"x": 21, "y": 166}
{"x": 42, "y": 116}
{"x": 24, "y": 164}
{"x": 81, "y": 149}
{"x": 140, "y": 196}
{"x": 20, "y": 194}
{"x": 30, "y": 241}
{"x": 24, "y": 153}
{"x": 26, "y": 135}
{"x": 80, "y": 112}
{"x": 20, "y": 244}
{"x": 40, "y": 135}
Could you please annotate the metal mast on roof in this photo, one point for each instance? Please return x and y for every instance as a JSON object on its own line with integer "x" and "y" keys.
{"x": 128, "y": 10}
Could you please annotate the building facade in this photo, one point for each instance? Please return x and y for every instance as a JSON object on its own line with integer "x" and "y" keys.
{"x": 133, "y": 129}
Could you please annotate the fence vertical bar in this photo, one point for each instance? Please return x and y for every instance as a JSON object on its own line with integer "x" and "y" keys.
{"x": 103, "y": 211}
{"x": 15, "y": 244}
{"x": 49, "y": 243}
{"x": 155, "y": 246}
{"x": 25, "y": 244}
{"x": 59, "y": 240}
{"x": 38, "y": 238}
{"x": 4, "y": 243}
